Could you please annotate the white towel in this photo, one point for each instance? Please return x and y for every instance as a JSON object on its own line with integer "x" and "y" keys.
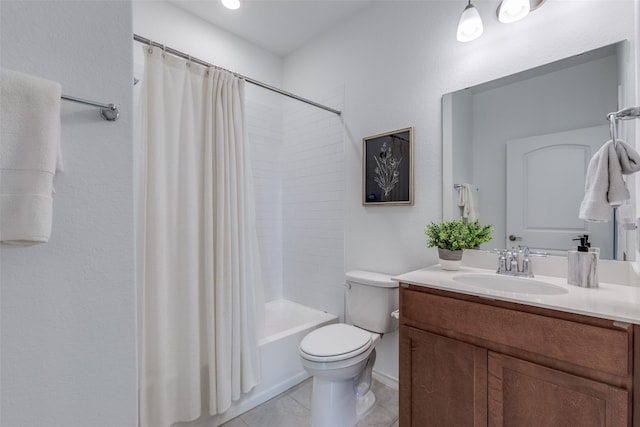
{"x": 628, "y": 157}
{"x": 29, "y": 156}
{"x": 467, "y": 201}
{"x": 604, "y": 186}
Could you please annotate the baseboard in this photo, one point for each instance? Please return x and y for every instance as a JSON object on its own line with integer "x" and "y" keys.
{"x": 385, "y": 379}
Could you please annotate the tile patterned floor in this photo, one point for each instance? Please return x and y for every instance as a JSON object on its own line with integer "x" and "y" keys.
{"x": 293, "y": 409}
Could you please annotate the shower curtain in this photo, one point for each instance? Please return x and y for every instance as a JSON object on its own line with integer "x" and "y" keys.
{"x": 201, "y": 290}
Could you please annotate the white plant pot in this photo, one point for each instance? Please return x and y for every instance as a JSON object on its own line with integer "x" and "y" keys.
{"x": 450, "y": 260}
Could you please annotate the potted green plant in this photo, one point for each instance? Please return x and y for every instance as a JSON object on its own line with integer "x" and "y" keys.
{"x": 451, "y": 237}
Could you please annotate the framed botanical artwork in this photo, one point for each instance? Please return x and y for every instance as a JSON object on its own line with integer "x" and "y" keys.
{"x": 387, "y": 168}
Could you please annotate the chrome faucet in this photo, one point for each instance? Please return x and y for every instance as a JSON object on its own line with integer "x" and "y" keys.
{"x": 516, "y": 261}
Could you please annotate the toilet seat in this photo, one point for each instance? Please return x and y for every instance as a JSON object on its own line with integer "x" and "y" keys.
{"x": 335, "y": 342}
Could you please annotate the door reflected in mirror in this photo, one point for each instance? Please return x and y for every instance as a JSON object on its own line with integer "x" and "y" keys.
{"x": 524, "y": 143}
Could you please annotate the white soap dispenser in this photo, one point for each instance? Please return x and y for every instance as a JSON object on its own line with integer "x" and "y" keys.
{"x": 583, "y": 264}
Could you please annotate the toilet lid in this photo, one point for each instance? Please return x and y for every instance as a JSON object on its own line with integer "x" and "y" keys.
{"x": 335, "y": 340}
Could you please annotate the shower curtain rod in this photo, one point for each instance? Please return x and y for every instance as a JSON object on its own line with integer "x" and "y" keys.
{"x": 175, "y": 52}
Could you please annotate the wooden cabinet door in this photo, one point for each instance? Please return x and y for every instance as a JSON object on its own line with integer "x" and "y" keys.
{"x": 443, "y": 382}
{"x": 524, "y": 394}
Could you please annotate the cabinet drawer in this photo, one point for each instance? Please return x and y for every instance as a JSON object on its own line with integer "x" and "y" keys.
{"x": 594, "y": 347}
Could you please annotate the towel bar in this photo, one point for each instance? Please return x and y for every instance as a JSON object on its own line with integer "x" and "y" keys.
{"x": 109, "y": 112}
{"x": 625, "y": 114}
{"x": 458, "y": 186}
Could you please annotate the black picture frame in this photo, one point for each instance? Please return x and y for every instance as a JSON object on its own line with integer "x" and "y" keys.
{"x": 387, "y": 168}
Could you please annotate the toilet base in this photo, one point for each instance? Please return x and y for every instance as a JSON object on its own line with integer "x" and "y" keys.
{"x": 334, "y": 404}
{"x": 364, "y": 405}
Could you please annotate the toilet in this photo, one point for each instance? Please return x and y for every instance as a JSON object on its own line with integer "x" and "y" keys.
{"x": 340, "y": 356}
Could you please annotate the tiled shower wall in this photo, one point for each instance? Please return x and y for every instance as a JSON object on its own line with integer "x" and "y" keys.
{"x": 298, "y": 166}
{"x": 313, "y": 188}
{"x": 264, "y": 132}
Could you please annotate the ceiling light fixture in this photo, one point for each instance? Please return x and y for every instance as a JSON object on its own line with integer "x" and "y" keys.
{"x": 231, "y": 4}
{"x": 470, "y": 24}
{"x": 514, "y": 10}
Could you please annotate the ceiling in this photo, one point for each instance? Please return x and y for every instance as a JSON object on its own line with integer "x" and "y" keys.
{"x": 279, "y": 26}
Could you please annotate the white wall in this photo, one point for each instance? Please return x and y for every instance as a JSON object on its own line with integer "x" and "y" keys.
{"x": 68, "y": 355}
{"x": 396, "y": 60}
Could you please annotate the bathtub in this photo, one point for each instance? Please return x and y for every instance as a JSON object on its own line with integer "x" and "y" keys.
{"x": 286, "y": 323}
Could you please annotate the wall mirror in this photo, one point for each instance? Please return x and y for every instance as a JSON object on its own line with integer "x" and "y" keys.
{"x": 524, "y": 142}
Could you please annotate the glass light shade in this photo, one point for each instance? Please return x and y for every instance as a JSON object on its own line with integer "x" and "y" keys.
{"x": 470, "y": 24}
{"x": 231, "y": 4}
{"x": 513, "y": 10}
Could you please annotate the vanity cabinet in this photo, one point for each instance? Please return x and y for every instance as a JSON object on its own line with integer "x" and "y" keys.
{"x": 470, "y": 361}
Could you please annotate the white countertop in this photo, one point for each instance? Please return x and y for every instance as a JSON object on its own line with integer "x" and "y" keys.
{"x": 609, "y": 301}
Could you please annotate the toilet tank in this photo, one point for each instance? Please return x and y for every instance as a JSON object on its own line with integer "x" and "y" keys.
{"x": 370, "y": 299}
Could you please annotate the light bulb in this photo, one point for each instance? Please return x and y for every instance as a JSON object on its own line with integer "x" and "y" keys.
{"x": 231, "y": 4}
{"x": 470, "y": 24}
{"x": 513, "y": 10}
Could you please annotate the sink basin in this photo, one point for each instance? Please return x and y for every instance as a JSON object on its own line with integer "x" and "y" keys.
{"x": 518, "y": 285}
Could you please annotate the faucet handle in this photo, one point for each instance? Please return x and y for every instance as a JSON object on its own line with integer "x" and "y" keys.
{"x": 526, "y": 250}
{"x": 502, "y": 260}
{"x": 527, "y": 267}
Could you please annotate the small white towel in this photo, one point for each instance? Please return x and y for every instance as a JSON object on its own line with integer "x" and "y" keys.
{"x": 604, "y": 186}
{"x": 29, "y": 156}
{"x": 467, "y": 202}
{"x": 628, "y": 157}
